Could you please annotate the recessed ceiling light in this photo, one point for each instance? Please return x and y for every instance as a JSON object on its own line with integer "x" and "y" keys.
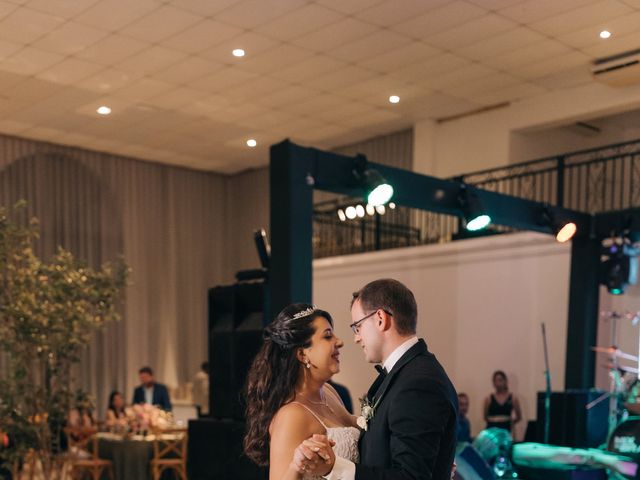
{"x": 251, "y": 142}
{"x": 605, "y": 34}
{"x": 103, "y": 110}
{"x": 394, "y": 99}
{"x": 238, "y": 52}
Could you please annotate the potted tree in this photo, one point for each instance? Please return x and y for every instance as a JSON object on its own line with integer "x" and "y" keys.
{"x": 49, "y": 311}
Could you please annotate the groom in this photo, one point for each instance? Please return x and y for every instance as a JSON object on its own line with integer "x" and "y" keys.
{"x": 411, "y": 427}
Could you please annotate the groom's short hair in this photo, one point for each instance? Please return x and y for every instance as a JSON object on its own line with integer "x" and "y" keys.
{"x": 393, "y": 296}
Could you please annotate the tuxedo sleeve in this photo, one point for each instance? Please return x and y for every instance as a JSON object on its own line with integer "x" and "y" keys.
{"x": 418, "y": 417}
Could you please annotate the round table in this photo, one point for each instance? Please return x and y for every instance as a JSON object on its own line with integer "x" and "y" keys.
{"x": 130, "y": 456}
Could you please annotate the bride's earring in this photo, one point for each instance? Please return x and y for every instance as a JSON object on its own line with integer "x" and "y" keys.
{"x": 308, "y": 364}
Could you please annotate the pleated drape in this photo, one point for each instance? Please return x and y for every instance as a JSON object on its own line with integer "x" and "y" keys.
{"x": 167, "y": 222}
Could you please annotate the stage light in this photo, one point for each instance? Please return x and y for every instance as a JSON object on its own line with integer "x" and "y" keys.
{"x": 359, "y": 211}
{"x": 371, "y": 210}
{"x": 564, "y": 230}
{"x": 351, "y": 212}
{"x": 378, "y": 191}
{"x": 618, "y": 266}
{"x": 475, "y": 217}
{"x": 341, "y": 215}
{"x": 380, "y": 209}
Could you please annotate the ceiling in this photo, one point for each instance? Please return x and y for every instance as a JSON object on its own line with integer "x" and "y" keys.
{"x": 319, "y": 72}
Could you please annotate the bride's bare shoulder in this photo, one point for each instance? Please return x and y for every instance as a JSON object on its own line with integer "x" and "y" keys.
{"x": 295, "y": 417}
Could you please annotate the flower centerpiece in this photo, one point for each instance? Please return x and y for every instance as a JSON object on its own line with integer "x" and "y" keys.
{"x": 49, "y": 311}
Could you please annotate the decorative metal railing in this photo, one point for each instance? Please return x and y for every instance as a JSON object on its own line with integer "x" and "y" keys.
{"x": 593, "y": 181}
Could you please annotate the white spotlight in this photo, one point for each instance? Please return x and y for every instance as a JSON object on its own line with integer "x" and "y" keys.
{"x": 351, "y": 212}
{"x": 380, "y": 209}
{"x": 103, "y": 110}
{"x": 238, "y": 52}
{"x": 360, "y": 211}
{"x": 370, "y": 209}
{"x": 341, "y": 215}
{"x": 252, "y": 143}
{"x": 394, "y": 99}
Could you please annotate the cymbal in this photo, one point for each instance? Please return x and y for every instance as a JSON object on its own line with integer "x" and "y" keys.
{"x": 621, "y": 368}
{"x": 615, "y": 352}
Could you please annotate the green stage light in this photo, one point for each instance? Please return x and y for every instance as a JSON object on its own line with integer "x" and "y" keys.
{"x": 475, "y": 217}
{"x": 478, "y": 223}
{"x": 379, "y": 192}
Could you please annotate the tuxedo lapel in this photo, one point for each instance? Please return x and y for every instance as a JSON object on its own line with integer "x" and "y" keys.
{"x": 375, "y": 386}
{"x": 413, "y": 352}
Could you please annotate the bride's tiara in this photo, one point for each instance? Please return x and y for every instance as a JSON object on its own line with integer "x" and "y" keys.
{"x": 304, "y": 313}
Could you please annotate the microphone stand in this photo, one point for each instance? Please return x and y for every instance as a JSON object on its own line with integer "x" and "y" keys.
{"x": 547, "y": 395}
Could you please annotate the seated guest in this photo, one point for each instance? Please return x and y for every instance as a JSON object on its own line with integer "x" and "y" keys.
{"x": 115, "y": 411}
{"x": 151, "y": 392}
{"x": 464, "y": 426}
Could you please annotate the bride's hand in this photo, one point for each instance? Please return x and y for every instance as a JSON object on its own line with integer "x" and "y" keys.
{"x": 314, "y": 455}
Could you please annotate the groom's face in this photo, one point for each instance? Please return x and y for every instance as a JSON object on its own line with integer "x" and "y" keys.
{"x": 368, "y": 336}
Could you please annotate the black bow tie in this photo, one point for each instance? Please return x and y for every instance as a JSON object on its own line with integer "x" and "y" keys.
{"x": 381, "y": 370}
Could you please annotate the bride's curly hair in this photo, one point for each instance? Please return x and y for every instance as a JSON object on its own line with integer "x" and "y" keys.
{"x": 273, "y": 375}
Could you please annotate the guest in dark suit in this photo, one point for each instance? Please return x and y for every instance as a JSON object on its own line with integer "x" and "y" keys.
{"x": 410, "y": 429}
{"x": 150, "y": 391}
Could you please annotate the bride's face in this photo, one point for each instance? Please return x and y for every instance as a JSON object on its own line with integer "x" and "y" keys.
{"x": 324, "y": 352}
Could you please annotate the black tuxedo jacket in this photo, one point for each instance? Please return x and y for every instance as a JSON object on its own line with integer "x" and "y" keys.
{"x": 160, "y": 396}
{"x": 412, "y": 434}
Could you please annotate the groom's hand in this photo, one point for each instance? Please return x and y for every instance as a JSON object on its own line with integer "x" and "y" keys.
{"x": 314, "y": 456}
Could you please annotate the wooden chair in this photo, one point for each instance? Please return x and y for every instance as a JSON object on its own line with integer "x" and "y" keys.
{"x": 169, "y": 453}
{"x": 84, "y": 456}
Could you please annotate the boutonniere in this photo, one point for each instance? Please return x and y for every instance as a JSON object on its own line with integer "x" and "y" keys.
{"x": 367, "y": 411}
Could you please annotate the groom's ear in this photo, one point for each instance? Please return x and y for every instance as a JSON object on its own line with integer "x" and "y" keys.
{"x": 385, "y": 321}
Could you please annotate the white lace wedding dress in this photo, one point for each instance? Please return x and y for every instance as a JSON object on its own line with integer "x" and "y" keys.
{"x": 346, "y": 439}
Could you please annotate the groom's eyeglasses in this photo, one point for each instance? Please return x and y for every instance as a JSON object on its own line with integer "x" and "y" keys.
{"x": 355, "y": 326}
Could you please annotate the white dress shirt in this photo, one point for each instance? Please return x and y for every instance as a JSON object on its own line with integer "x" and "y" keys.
{"x": 344, "y": 469}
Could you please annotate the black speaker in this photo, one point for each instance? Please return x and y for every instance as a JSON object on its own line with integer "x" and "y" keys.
{"x": 215, "y": 452}
{"x": 571, "y": 424}
{"x": 236, "y": 321}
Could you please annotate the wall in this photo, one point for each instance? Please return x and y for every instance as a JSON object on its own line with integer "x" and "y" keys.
{"x": 481, "y": 303}
{"x": 485, "y": 140}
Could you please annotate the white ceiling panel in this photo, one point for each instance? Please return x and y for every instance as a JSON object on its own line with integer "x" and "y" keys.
{"x": 392, "y": 12}
{"x": 202, "y": 36}
{"x": 29, "y": 61}
{"x": 530, "y": 11}
{"x": 350, "y": 7}
{"x": 151, "y": 60}
{"x": 25, "y": 26}
{"x": 377, "y": 43}
{"x": 403, "y": 56}
{"x": 587, "y": 16}
{"x": 112, "y": 15}
{"x": 306, "y": 19}
{"x": 160, "y": 24}
{"x": 473, "y": 31}
{"x": 449, "y": 15}
{"x": 112, "y": 49}
{"x": 332, "y": 36}
{"x": 70, "y": 38}
{"x": 61, "y": 8}
{"x": 252, "y": 13}
{"x": 70, "y": 71}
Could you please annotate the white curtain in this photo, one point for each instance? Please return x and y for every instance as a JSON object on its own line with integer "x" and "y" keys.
{"x": 168, "y": 223}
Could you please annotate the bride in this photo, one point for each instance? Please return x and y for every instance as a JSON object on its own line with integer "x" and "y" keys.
{"x": 288, "y": 398}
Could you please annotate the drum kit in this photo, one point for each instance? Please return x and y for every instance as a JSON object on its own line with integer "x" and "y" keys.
{"x": 623, "y": 394}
